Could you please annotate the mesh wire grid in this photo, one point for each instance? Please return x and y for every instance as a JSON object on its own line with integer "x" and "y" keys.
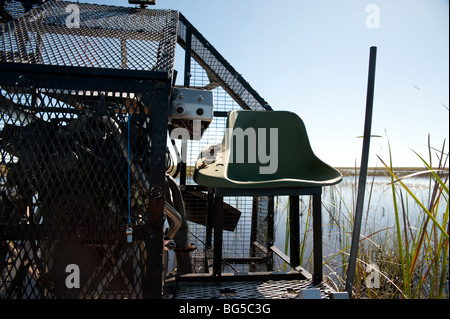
{"x": 63, "y": 173}
{"x": 89, "y": 35}
{"x": 65, "y": 192}
{"x": 272, "y": 289}
{"x": 12, "y": 9}
{"x": 219, "y": 71}
{"x": 248, "y": 219}
{"x": 67, "y": 137}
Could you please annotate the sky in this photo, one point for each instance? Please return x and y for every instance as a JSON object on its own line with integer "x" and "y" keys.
{"x": 312, "y": 57}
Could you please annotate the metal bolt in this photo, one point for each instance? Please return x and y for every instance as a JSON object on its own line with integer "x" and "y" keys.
{"x": 170, "y": 244}
{"x": 156, "y": 192}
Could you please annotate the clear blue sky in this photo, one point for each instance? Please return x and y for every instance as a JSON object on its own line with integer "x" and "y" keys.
{"x": 311, "y": 57}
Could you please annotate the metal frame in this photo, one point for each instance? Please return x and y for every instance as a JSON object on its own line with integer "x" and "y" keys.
{"x": 293, "y": 193}
{"x": 220, "y": 72}
{"x": 156, "y": 89}
{"x": 118, "y": 32}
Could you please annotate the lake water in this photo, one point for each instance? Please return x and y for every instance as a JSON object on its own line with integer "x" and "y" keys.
{"x": 338, "y": 206}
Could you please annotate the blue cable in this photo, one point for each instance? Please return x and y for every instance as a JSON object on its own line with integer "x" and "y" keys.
{"x": 129, "y": 172}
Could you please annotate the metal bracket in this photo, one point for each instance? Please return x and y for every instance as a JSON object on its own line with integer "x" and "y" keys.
{"x": 190, "y": 104}
{"x": 191, "y": 112}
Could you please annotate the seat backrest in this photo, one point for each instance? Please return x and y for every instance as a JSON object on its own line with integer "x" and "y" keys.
{"x": 275, "y": 146}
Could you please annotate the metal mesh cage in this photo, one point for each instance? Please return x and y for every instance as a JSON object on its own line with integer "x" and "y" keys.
{"x": 65, "y": 189}
{"x": 89, "y": 35}
{"x": 248, "y": 221}
{"x": 82, "y": 151}
{"x": 218, "y": 70}
{"x": 13, "y": 9}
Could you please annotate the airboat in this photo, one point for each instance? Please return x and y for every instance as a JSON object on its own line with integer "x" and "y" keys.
{"x": 117, "y": 182}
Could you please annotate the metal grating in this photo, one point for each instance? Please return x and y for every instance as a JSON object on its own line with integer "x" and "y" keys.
{"x": 272, "y": 289}
{"x": 66, "y": 195}
{"x": 83, "y": 151}
{"x": 218, "y": 70}
{"x": 89, "y": 35}
{"x": 78, "y": 105}
{"x": 13, "y": 9}
{"x": 247, "y": 219}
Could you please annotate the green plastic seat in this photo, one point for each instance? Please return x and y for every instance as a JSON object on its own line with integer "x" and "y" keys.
{"x": 263, "y": 149}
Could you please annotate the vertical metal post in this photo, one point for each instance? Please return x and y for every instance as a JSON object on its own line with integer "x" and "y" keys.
{"x": 158, "y": 97}
{"x": 209, "y": 228}
{"x": 294, "y": 228}
{"x": 270, "y": 231}
{"x": 317, "y": 238}
{"x": 209, "y": 219}
{"x": 187, "y": 58}
{"x": 218, "y": 236}
{"x": 187, "y": 83}
{"x": 363, "y": 172}
{"x": 254, "y": 230}
{"x": 254, "y": 225}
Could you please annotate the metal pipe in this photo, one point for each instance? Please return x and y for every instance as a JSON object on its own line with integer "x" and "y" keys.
{"x": 363, "y": 172}
{"x": 182, "y": 237}
{"x": 176, "y": 221}
{"x": 183, "y": 248}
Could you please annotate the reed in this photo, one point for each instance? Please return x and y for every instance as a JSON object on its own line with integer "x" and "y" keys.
{"x": 411, "y": 256}
{"x": 423, "y": 252}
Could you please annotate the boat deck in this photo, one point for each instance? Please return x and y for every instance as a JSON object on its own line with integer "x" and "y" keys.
{"x": 253, "y": 286}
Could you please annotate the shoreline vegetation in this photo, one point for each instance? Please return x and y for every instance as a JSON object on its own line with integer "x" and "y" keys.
{"x": 411, "y": 255}
{"x": 354, "y": 171}
{"x": 382, "y": 171}
{"x": 346, "y": 171}
{"x": 408, "y": 255}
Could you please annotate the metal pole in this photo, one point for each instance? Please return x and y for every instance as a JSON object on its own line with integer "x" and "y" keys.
{"x": 363, "y": 172}
{"x": 218, "y": 235}
{"x": 187, "y": 84}
{"x": 294, "y": 225}
{"x": 317, "y": 239}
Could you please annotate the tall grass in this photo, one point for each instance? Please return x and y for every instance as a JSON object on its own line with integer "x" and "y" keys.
{"x": 423, "y": 253}
{"x": 410, "y": 255}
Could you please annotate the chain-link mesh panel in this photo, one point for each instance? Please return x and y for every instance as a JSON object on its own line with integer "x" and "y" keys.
{"x": 13, "y": 9}
{"x": 84, "y": 98}
{"x": 219, "y": 71}
{"x": 89, "y": 35}
{"x": 247, "y": 223}
{"x": 75, "y": 172}
{"x": 83, "y": 150}
{"x": 65, "y": 192}
{"x": 246, "y": 220}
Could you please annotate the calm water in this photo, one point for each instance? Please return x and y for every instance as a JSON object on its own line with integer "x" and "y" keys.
{"x": 338, "y": 204}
